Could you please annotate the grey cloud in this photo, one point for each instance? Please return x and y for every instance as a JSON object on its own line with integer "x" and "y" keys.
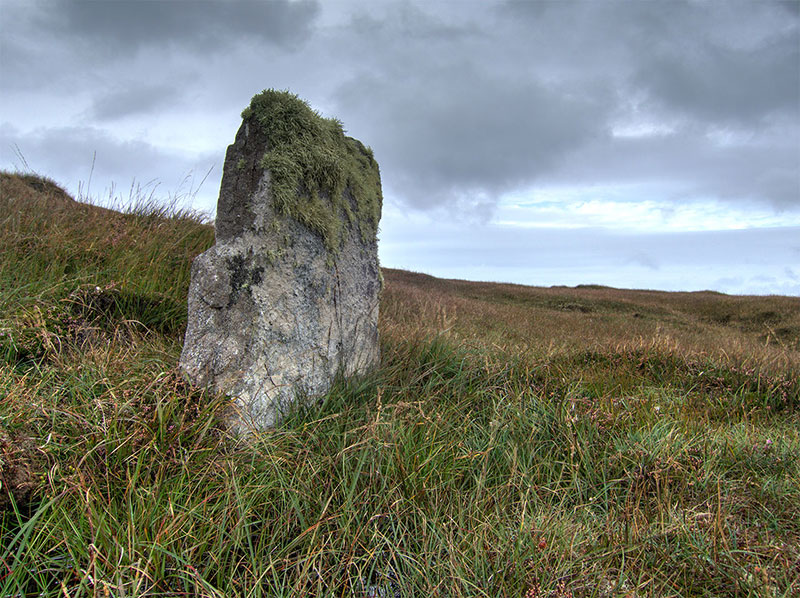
{"x": 81, "y": 42}
{"x": 461, "y": 102}
{"x": 535, "y": 95}
{"x": 456, "y": 130}
{"x": 25, "y": 65}
{"x": 779, "y": 183}
{"x": 133, "y": 98}
{"x": 410, "y": 22}
{"x": 74, "y": 155}
{"x": 791, "y": 6}
{"x": 687, "y": 161}
{"x": 593, "y": 32}
{"x": 205, "y": 24}
{"x": 725, "y": 84}
{"x": 712, "y": 61}
{"x": 452, "y": 119}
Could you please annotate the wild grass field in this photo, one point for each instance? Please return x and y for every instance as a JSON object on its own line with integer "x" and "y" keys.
{"x": 515, "y": 442}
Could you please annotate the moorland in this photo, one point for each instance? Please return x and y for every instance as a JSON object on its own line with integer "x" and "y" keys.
{"x": 515, "y": 442}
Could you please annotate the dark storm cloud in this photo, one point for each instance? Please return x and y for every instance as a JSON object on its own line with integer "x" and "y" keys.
{"x": 470, "y": 133}
{"x": 202, "y": 25}
{"x": 81, "y": 42}
{"x": 454, "y": 120}
{"x": 792, "y": 6}
{"x": 532, "y": 92}
{"x": 715, "y": 83}
{"x": 711, "y": 62}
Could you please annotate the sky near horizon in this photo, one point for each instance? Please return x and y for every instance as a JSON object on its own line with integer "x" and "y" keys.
{"x": 628, "y": 143}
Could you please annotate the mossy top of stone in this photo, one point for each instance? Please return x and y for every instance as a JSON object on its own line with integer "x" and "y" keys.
{"x": 318, "y": 175}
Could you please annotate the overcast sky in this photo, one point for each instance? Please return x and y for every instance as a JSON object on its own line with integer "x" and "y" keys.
{"x": 638, "y": 144}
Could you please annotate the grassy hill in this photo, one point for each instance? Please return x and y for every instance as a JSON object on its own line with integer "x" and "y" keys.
{"x": 516, "y": 441}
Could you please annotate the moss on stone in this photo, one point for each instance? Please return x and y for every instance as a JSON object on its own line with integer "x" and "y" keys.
{"x": 319, "y": 176}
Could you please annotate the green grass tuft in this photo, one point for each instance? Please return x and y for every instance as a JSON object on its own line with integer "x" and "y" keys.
{"x": 318, "y": 175}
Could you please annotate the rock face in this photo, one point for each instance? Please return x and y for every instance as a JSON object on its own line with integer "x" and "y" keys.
{"x": 288, "y": 297}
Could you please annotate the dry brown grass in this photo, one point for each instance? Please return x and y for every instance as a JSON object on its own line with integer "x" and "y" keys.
{"x": 763, "y": 331}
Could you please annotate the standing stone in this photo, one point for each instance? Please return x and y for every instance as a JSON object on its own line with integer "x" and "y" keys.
{"x": 288, "y": 297}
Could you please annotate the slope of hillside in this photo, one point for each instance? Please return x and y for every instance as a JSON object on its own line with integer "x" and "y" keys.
{"x": 538, "y": 320}
{"x": 516, "y": 441}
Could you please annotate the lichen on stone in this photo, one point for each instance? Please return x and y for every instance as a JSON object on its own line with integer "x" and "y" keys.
{"x": 318, "y": 175}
